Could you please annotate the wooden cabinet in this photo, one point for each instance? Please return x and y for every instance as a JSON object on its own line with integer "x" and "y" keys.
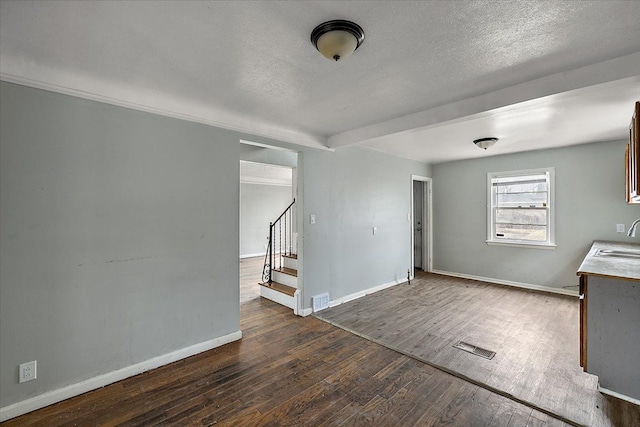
{"x": 583, "y": 322}
{"x": 632, "y": 158}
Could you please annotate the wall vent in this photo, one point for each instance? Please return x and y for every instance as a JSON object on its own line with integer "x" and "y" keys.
{"x": 320, "y": 302}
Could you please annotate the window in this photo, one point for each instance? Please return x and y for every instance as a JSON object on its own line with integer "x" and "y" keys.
{"x": 520, "y": 208}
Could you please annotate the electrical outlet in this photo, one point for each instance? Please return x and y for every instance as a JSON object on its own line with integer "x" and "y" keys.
{"x": 620, "y": 228}
{"x": 28, "y": 371}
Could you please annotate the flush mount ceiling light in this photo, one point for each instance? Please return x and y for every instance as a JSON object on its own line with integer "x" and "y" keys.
{"x": 337, "y": 39}
{"x": 485, "y": 142}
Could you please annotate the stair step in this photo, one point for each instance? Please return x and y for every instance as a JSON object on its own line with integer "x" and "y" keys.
{"x": 289, "y": 271}
{"x": 292, "y": 256}
{"x": 290, "y": 262}
{"x": 287, "y": 290}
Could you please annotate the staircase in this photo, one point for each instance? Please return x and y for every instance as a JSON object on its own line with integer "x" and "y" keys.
{"x": 280, "y": 272}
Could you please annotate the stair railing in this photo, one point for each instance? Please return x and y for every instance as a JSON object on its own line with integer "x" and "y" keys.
{"x": 273, "y": 258}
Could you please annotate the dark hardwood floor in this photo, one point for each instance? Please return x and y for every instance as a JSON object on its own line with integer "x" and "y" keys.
{"x": 535, "y": 336}
{"x": 288, "y": 370}
{"x": 294, "y": 371}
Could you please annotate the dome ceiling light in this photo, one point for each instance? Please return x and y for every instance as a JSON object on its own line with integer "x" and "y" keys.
{"x": 485, "y": 142}
{"x": 337, "y": 39}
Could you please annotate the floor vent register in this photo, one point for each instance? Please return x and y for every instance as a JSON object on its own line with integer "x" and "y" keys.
{"x": 487, "y": 354}
{"x": 320, "y": 302}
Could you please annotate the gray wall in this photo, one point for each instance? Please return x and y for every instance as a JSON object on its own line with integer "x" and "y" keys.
{"x": 119, "y": 237}
{"x": 589, "y": 203}
{"x": 350, "y": 191}
{"x": 259, "y": 205}
{"x": 119, "y": 233}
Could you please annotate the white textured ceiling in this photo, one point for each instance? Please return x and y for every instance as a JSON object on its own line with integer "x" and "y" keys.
{"x": 429, "y": 76}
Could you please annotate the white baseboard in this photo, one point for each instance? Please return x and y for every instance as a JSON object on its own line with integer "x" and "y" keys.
{"x": 252, "y": 255}
{"x": 305, "y": 312}
{"x": 618, "y": 395}
{"x": 509, "y": 283}
{"x": 76, "y": 389}
{"x": 368, "y": 291}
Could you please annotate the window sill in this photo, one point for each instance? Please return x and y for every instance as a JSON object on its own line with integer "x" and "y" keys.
{"x": 522, "y": 245}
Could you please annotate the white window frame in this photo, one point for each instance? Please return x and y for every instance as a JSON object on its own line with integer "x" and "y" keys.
{"x": 551, "y": 235}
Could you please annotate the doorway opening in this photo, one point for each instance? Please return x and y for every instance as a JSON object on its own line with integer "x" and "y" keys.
{"x": 421, "y": 224}
{"x": 268, "y": 184}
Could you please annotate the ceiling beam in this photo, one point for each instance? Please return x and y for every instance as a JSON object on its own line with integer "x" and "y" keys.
{"x": 602, "y": 72}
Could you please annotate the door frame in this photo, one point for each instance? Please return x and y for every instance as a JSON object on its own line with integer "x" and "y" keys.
{"x": 298, "y": 192}
{"x": 427, "y": 238}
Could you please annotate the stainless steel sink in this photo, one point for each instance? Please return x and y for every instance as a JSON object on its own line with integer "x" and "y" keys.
{"x": 618, "y": 253}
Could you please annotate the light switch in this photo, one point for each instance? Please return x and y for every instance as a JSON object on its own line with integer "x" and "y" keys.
{"x": 312, "y": 219}
{"x": 375, "y": 230}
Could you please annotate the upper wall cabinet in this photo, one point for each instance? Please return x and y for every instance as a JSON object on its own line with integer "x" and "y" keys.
{"x": 632, "y": 158}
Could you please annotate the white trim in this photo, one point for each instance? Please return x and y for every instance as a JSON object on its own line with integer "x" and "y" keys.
{"x": 273, "y": 165}
{"x": 551, "y": 230}
{"x": 618, "y": 395}
{"x": 291, "y": 137}
{"x": 361, "y": 294}
{"x": 512, "y": 244}
{"x": 428, "y": 201}
{"x": 274, "y": 184}
{"x": 58, "y": 395}
{"x": 305, "y": 312}
{"x": 297, "y": 300}
{"x": 509, "y": 283}
{"x": 253, "y": 255}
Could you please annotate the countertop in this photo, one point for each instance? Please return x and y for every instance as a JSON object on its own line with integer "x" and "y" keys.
{"x": 615, "y": 267}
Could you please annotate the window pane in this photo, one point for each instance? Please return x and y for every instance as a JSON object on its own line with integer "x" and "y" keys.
{"x": 540, "y": 177}
{"x": 521, "y": 216}
{"x": 536, "y": 233}
{"x": 530, "y": 187}
{"x": 522, "y": 199}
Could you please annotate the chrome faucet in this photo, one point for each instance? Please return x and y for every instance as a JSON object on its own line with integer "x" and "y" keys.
{"x": 632, "y": 229}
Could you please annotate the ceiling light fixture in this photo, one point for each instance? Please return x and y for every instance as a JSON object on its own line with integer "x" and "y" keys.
{"x": 485, "y": 142}
{"x": 337, "y": 39}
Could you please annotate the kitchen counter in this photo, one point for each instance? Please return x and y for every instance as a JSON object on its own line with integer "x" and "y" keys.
{"x": 609, "y": 319}
{"x": 611, "y": 266}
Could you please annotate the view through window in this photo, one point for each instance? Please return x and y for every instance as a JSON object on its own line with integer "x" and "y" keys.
{"x": 520, "y": 210}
